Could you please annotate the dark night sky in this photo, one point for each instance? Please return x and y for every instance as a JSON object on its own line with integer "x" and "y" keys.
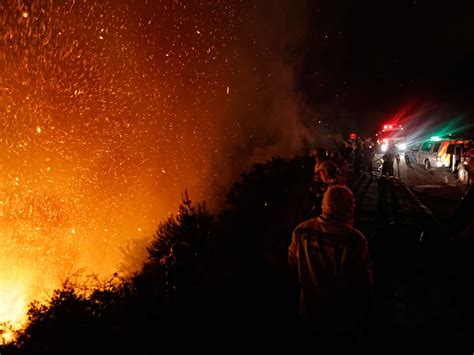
{"x": 381, "y": 57}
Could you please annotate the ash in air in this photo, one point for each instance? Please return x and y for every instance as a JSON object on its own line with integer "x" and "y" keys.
{"x": 110, "y": 109}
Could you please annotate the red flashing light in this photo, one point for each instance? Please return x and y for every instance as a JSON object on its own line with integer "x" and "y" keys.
{"x": 392, "y": 126}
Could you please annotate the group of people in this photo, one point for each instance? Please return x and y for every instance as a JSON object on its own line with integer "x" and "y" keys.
{"x": 329, "y": 259}
{"x": 333, "y": 167}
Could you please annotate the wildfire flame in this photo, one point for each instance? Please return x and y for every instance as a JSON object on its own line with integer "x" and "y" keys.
{"x": 97, "y": 127}
{"x": 109, "y": 110}
{"x": 13, "y": 307}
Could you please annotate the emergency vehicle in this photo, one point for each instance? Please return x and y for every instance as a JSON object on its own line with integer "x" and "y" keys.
{"x": 391, "y": 133}
{"x": 440, "y": 152}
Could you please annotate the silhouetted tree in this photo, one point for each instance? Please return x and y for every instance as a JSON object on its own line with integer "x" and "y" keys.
{"x": 134, "y": 255}
{"x": 75, "y": 321}
{"x": 262, "y": 208}
{"x": 190, "y": 225}
{"x": 227, "y": 270}
{"x": 267, "y": 203}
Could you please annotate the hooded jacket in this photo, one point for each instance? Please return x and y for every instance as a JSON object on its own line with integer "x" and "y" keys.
{"x": 330, "y": 260}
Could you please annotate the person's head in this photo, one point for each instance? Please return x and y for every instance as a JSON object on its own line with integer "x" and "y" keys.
{"x": 328, "y": 171}
{"x": 321, "y": 154}
{"x": 339, "y": 204}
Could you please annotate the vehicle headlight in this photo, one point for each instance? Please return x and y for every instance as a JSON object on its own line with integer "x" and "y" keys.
{"x": 402, "y": 146}
{"x": 384, "y": 147}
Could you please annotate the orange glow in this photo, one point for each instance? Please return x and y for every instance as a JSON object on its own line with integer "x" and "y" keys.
{"x": 99, "y": 133}
{"x": 109, "y": 110}
{"x": 13, "y": 307}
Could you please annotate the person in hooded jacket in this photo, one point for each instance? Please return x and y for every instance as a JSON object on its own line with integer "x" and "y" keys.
{"x": 329, "y": 262}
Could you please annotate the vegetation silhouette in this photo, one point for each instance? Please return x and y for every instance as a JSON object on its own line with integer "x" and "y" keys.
{"x": 202, "y": 285}
{"x": 218, "y": 282}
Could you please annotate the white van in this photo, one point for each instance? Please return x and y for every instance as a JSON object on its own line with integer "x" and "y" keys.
{"x": 439, "y": 153}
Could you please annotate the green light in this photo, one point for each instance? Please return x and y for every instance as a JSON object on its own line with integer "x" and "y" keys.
{"x": 435, "y": 138}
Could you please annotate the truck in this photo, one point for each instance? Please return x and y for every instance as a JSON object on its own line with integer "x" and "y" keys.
{"x": 391, "y": 132}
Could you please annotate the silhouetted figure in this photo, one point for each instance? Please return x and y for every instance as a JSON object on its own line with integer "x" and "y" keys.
{"x": 320, "y": 156}
{"x": 344, "y": 148}
{"x": 463, "y": 216}
{"x": 330, "y": 174}
{"x": 368, "y": 156}
{"x": 342, "y": 164}
{"x": 358, "y": 161}
{"x": 389, "y": 157}
{"x": 330, "y": 261}
{"x": 470, "y": 172}
{"x": 327, "y": 174}
{"x": 410, "y": 157}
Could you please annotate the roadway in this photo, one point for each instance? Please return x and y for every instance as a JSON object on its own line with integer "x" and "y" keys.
{"x": 420, "y": 270}
{"x": 413, "y": 195}
{"x": 437, "y": 190}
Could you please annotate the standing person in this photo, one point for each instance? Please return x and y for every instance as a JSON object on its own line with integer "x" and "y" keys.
{"x": 389, "y": 157}
{"x": 463, "y": 216}
{"x": 368, "y": 154}
{"x": 320, "y": 156}
{"x": 342, "y": 164}
{"x": 327, "y": 174}
{"x": 330, "y": 174}
{"x": 358, "y": 161}
{"x": 329, "y": 260}
{"x": 343, "y": 147}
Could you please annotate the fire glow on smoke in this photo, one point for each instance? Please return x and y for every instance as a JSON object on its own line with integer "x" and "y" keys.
{"x": 105, "y": 118}
{"x": 110, "y": 109}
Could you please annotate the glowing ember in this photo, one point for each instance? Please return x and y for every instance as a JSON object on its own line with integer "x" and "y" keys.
{"x": 109, "y": 110}
{"x": 100, "y": 132}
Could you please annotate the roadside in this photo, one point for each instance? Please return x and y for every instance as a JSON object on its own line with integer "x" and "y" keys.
{"x": 443, "y": 200}
{"x": 418, "y": 270}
